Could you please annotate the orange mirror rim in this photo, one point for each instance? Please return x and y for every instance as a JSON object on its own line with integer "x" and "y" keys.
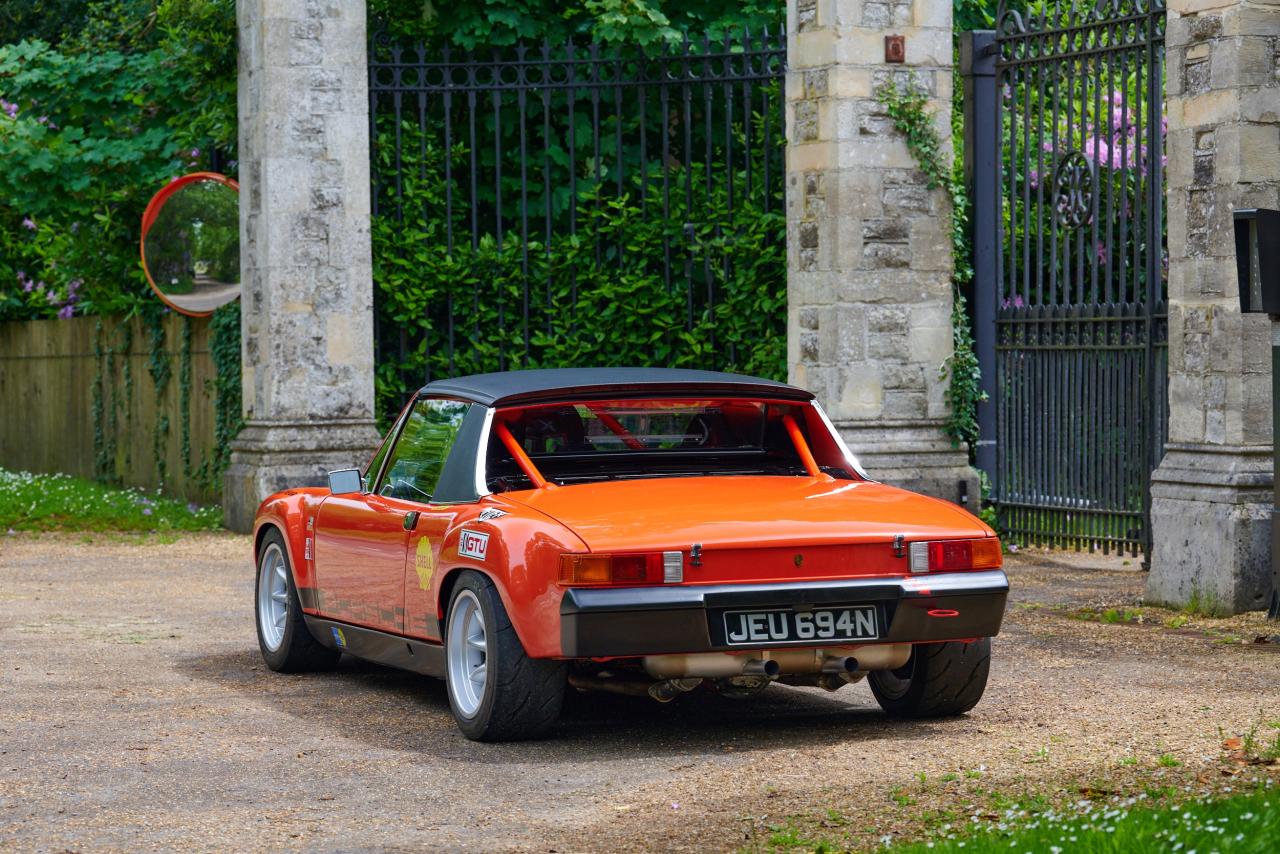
{"x": 149, "y": 219}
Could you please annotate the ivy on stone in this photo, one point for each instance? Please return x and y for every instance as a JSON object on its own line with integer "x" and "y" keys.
{"x": 907, "y": 106}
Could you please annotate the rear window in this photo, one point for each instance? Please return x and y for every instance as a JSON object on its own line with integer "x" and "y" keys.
{"x": 614, "y": 439}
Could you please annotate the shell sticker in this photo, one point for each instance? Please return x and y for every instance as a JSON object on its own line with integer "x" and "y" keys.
{"x": 424, "y": 563}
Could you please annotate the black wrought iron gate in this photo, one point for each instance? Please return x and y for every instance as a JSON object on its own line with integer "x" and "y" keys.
{"x": 1080, "y": 410}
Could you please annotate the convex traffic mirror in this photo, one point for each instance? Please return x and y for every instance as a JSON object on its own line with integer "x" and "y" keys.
{"x": 191, "y": 243}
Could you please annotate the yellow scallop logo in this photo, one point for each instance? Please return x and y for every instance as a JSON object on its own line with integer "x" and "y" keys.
{"x": 424, "y": 563}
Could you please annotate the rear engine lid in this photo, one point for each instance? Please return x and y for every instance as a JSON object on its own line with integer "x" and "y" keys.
{"x": 787, "y": 528}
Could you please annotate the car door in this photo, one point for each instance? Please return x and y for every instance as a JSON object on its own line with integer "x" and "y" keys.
{"x": 361, "y": 540}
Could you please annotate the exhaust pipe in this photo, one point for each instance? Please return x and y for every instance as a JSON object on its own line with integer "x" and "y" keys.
{"x": 839, "y": 664}
{"x": 708, "y": 665}
{"x": 761, "y": 667}
{"x": 836, "y": 660}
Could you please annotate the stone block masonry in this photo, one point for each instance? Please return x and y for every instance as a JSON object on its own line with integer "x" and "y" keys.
{"x": 1211, "y": 495}
{"x": 307, "y": 306}
{"x": 869, "y": 246}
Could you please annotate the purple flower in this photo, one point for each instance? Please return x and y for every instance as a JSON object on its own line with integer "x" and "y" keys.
{"x": 74, "y": 285}
{"x": 29, "y": 223}
{"x": 27, "y": 286}
{"x": 66, "y": 311}
{"x": 146, "y": 511}
{"x": 192, "y": 507}
{"x": 51, "y": 296}
{"x": 195, "y": 152}
{"x": 10, "y": 109}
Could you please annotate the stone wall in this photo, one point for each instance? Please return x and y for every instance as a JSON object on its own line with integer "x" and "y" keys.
{"x": 307, "y": 306}
{"x": 869, "y": 247}
{"x": 1211, "y": 495}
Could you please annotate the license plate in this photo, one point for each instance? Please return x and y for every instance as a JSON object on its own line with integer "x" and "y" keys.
{"x": 858, "y": 623}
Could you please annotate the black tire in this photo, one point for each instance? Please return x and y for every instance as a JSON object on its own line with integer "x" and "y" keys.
{"x": 939, "y": 680}
{"x": 522, "y": 696}
{"x": 298, "y": 651}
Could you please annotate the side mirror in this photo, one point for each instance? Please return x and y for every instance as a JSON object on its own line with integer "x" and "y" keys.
{"x": 345, "y": 481}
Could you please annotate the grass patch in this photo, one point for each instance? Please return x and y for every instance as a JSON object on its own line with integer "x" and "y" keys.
{"x": 1109, "y": 615}
{"x": 1205, "y": 603}
{"x": 59, "y": 502}
{"x": 1243, "y": 823}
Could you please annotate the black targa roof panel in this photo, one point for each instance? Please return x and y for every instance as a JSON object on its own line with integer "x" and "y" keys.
{"x": 511, "y": 387}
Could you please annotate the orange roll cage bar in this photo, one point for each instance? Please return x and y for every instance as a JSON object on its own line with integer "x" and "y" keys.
{"x": 802, "y": 448}
{"x": 521, "y": 458}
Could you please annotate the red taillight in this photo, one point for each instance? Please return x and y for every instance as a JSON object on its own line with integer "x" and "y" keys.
{"x": 610, "y": 570}
{"x": 953, "y": 555}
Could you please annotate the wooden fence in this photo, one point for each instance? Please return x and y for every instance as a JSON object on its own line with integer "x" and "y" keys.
{"x": 50, "y": 414}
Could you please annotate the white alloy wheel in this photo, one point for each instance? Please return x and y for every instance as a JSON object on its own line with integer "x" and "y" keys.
{"x": 273, "y": 597}
{"x": 468, "y": 653}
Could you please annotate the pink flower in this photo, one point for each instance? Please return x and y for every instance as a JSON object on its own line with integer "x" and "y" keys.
{"x": 66, "y": 311}
{"x": 29, "y": 223}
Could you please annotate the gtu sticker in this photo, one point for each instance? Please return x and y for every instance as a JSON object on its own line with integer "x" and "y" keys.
{"x": 473, "y": 544}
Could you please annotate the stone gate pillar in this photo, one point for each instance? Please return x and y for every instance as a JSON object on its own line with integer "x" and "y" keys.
{"x": 307, "y": 304}
{"x": 869, "y": 249}
{"x": 1211, "y": 495}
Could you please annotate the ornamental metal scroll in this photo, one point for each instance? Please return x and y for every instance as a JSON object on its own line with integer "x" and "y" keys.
{"x": 1073, "y": 190}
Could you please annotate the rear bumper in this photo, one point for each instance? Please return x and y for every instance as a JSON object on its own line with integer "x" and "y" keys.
{"x": 635, "y": 621}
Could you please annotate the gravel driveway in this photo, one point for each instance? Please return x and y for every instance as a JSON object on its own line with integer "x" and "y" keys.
{"x": 138, "y": 715}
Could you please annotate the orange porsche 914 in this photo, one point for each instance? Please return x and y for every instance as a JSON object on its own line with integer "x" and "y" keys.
{"x": 642, "y": 531}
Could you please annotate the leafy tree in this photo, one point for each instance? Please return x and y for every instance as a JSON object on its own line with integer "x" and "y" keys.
{"x": 497, "y": 23}
{"x": 137, "y": 93}
{"x": 45, "y": 20}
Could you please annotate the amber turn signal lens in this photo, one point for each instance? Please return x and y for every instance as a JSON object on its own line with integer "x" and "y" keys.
{"x": 987, "y": 553}
{"x": 588, "y": 570}
{"x": 584, "y": 569}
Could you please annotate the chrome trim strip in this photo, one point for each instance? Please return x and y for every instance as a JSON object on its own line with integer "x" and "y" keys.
{"x": 482, "y": 452}
{"x": 848, "y": 455}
